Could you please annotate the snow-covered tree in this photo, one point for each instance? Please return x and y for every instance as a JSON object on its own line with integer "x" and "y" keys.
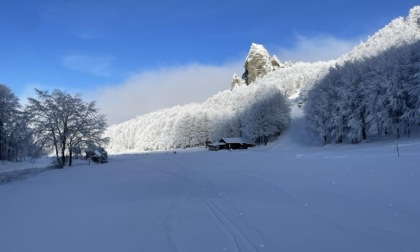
{"x": 12, "y": 126}
{"x": 373, "y": 90}
{"x": 252, "y": 111}
{"x": 61, "y": 122}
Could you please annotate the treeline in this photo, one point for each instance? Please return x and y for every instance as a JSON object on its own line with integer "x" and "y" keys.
{"x": 256, "y": 112}
{"x": 55, "y": 122}
{"x": 368, "y": 97}
{"x": 15, "y": 138}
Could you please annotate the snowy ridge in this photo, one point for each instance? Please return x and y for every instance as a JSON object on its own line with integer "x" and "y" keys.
{"x": 297, "y": 78}
{"x": 399, "y": 32}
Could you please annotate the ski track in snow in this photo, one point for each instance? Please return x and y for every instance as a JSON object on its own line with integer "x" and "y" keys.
{"x": 239, "y": 239}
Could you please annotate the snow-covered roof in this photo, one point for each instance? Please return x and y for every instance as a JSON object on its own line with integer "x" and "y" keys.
{"x": 216, "y": 144}
{"x": 233, "y": 140}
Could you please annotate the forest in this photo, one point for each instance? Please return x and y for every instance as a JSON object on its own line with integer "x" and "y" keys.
{"x": 373, "y": 91}
{"x": 253, "y": 112}
{"x": 374, "y": 97}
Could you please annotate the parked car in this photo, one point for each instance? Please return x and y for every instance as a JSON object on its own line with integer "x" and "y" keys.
{"x": 300, "y": 104}
{"x": 97, "y": 155}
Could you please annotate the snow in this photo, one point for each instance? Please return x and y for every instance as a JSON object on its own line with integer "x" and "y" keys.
{"x": 40, "y": 163}
{"x": 286, "y": 196}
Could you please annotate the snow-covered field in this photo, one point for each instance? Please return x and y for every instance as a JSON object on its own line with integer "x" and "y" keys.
{"x": 24, "y": 165}
{"x": 279, "y": 197}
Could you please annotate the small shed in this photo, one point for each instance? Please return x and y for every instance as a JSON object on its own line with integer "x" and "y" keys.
{"x": 230, "y": 143}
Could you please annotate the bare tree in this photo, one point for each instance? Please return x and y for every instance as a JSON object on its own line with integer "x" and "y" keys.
{"x": 61, "y": 122}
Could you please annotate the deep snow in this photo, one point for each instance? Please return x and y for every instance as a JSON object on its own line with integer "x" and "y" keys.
{"x": 285, "y": 196}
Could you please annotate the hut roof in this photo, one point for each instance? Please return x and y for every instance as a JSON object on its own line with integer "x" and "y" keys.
{"x": 232, "y": 140}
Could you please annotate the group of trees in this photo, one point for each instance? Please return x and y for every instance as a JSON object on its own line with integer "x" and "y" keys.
{"x": 255, "y": 112}
{"x": 54, "y": 122}
{"x": 374, "y": 90}
{"x": 13, "y": 129}
{"x": 378, "y": 96}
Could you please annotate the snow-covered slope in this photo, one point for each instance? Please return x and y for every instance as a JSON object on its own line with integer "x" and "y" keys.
{"x": 222, "y": 115}
{"x": 374, "y": 91}
{"x": 347, "y": 198}
{"x": 295, "y": 79}
{"x": 400, "y": 32}
{"x": 247, "y": 111}
{"x": 218, "y": 118}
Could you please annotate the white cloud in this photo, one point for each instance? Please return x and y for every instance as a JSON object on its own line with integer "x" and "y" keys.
{"x": 95, "y": 65}
{"x": 167, "y": 87}
{"x": 318, "y": 48}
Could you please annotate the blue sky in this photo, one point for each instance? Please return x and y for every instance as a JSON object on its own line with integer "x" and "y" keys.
{"x": 147, "y": 55}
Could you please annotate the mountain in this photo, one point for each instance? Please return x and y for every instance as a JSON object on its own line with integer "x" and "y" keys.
{"x": 258, "y": 63}
{"x": 256, "y": 106}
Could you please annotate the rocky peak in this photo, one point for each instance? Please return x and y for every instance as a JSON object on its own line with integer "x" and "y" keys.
{"x": 258, "y": 63}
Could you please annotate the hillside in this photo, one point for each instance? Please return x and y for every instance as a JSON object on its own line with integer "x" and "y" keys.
{"x": 242, "y": 110}
{"x": 372, "y": 92}
{"x": 245, "y": 111}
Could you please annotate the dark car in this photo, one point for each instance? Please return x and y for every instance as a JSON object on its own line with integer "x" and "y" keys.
{"x": 300, "y": 104}
{"x": 97, "y": 155}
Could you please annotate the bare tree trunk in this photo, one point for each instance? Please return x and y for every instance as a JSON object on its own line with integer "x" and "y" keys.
{"x": 56, "y": 150}
{"x": 70, "y": 155}
{"x": 63, "y": 155}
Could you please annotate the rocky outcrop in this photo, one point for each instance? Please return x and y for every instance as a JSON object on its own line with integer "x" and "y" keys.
{"x": 258, "y": 63}
{"x": 236, "y": 81}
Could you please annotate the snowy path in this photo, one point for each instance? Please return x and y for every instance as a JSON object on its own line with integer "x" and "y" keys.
{"x": 295, "y": 137}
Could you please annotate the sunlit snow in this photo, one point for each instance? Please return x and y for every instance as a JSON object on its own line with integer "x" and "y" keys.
{"x": 285, "y": 196}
